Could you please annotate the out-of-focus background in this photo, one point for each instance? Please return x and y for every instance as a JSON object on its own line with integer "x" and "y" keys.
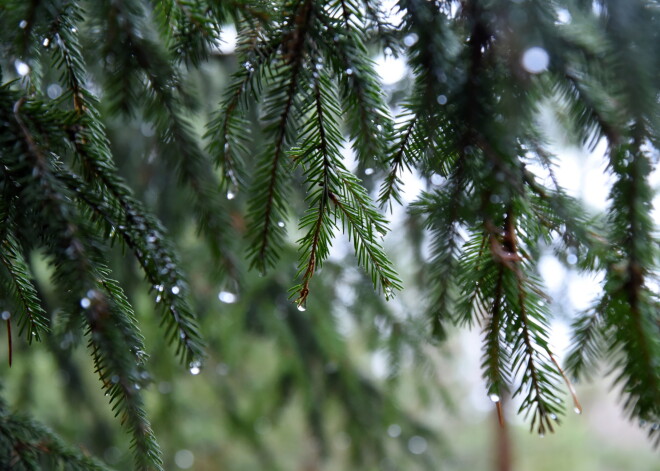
{"x": 337, "y": 387}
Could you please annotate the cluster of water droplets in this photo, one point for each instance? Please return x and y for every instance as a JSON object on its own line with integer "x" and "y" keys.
{"x": 159, "y": 289}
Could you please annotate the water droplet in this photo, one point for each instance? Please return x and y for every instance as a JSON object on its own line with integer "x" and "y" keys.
{"x": 410, "y": 40}
{"x": 21, "y": 67}
{"x": 387, "y": 51}
{"x": 494, "y": 398}
{"x": 227, "y": 297}
{"x": 442, "y": 100}
{"x": 231, "y": 194}
{"x": 137, "y": 387}
{"x": 369, "y": 171}
{"x": 571, "y": 259}
{"x": 112, "y": 455}
{"x": 302, "y": 307}
{"x": 389, "y": 293}
{"x": 563, "y": 16}
{"x": 23, "y": 24}
{"x": 535, "y": 60}
{"x": 195, "y": 367}
{"x": 394, "y": 430}
{"x": 114, "y": 379}
{"x": 46, "y": 42}
{"x": 159, "y": 298}
{"x": 577, "y": 410}
{"x": 541, "y": 435}
{"x": 184, "y": 459}
{"x": 73, "y": 29}
{"x": 417, "y": 445}
{"x": 175, "y": 290}
{"x": 280, "y": 224}
{"x": 6, "y": 315}
{"x": 53, "y": 91}
{"x": 164, "y": 387}
{"x": 85, "y": 303}
{"x": 147, "y": 129}
{"x": 349, "y": 71}
{"x": 553, "y": 416}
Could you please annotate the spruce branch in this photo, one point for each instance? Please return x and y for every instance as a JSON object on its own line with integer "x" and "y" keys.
{"x": 333, "y": 183}
{"x": 26, "y": 445}
{"x": 266, "y": 206}
{"x": 540, "y": 371}
{"x": 228, "y": 130}
{"x": 115, "y": 342}
{"x": 496, "y": 357}
{"x": 315, "y": 244}
{"x": 147, "y": 77}
{"x": 400, "y": 160}
{"x": 629, "y": 307}
{"x": 18, "y": 281}
{"x": 190, "y": 29}
{"x": 587, "y": 343}
{"x": 367, "y": 116}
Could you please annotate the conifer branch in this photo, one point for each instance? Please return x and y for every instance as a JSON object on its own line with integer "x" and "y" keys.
{"x": 115, "y": 343}
{"x": 538, "y": 374}
{"x": 399, "y": 161}
{"x": 148, "y": 70}
{"x": 367, "y": 116}
{"x": 267, "y": 205}
{"x": 587, "y": 343}
{"x": 25, "y": 444}
{"x": 125, "y": 215}
{"x": 496, "y": 357}
{"x": 629, "y": 307}
{"x": 31, "y": 317}
{"x": 315, "y": 243}
{"x": 364, "y": 224}
{"x": 228, "y": 130}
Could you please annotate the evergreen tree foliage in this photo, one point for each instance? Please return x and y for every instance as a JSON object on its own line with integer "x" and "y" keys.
{"x": 268, "y": 155}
